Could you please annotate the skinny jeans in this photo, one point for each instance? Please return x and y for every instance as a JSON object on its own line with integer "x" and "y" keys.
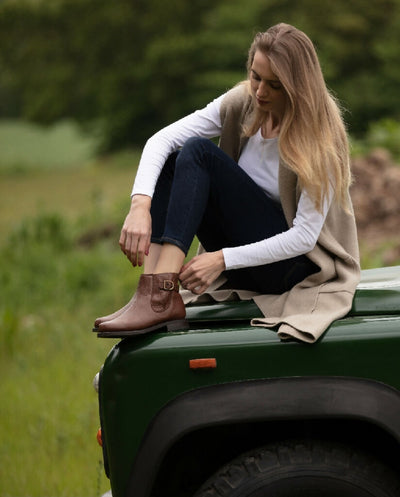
{"x": 202, "y": 191}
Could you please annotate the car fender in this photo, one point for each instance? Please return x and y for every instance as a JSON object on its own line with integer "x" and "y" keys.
{"x": 273, "y": 399}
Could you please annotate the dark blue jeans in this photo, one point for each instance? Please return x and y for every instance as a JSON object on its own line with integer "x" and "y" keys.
{"x": 202, "y": 191}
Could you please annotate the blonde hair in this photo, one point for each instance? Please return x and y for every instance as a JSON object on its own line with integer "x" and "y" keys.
{"x": 312, "y": 139}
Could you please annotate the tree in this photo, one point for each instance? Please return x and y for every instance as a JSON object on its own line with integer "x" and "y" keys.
{"x": 136, "y": 65}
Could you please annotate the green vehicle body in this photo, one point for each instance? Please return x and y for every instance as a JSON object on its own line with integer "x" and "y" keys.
{"x": 167, "y": 427}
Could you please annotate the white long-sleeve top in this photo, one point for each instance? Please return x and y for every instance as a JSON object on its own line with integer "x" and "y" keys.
{"x": 260, "y": 159}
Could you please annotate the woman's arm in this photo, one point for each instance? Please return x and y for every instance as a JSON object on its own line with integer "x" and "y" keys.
{"x": 136, "y": 231}
{"x": 298, "y": 240}
{"x": 198, "y": 274}
{"x": 205, "y": 123}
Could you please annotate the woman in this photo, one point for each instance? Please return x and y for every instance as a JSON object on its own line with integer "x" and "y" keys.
{"x": 270, "y": 205}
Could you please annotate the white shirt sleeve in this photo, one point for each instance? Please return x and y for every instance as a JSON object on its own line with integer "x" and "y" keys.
{"x": 205, "y": 123}
{"x": 298, "y": 240}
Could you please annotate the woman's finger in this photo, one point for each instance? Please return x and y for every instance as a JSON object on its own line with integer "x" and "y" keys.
{"x": 198, "y": 274}
{"x": 122, "y": 241}
{"x": 133, "y": 249}
{"x": 142, "y": 247}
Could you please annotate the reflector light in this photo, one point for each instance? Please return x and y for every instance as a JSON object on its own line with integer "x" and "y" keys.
{"x": 208, "y": 363}
{"x": 99, "y": 439}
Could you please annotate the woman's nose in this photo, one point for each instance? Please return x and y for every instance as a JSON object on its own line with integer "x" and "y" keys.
{"x": 262, "y": 90}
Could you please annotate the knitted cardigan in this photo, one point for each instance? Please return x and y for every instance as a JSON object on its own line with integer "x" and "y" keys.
{"x": 307, "y": 310}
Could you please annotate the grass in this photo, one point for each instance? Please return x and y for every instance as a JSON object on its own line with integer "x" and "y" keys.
{"x": 76, "y": 192}
{"x": 48, "y": 358}
{"x": 52, "y": 286}
{"x": 26, "y": 146}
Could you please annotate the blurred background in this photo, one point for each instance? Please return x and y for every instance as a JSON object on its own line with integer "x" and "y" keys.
{"x": 83, "y": 83}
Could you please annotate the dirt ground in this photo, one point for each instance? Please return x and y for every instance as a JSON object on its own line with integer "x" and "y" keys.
{"x": 376, "y": 200}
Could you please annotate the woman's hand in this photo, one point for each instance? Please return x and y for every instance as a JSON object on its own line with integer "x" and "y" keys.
{"x": 198, "y": 274}
{"x": 136, "y": 231}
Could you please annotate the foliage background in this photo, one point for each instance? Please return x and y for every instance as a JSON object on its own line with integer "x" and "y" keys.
{"x": 82, "y": 84}
{"x": 130, "y": 66}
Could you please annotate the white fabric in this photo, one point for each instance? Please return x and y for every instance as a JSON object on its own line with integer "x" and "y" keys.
{"x": 260, "y": 159}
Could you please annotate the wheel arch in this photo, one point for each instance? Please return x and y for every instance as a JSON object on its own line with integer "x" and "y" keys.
{"x": 276, "y": 402}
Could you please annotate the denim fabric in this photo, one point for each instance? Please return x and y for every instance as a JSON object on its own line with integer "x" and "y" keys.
{"x": 202, "y": 191}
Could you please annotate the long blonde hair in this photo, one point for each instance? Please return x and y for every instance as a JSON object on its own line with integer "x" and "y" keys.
{"x": 312, "y": 139}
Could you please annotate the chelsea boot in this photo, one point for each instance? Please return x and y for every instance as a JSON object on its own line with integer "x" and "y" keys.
{"x": 157, "y": 304}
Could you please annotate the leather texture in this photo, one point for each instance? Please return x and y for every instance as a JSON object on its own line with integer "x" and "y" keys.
{"x": 114, "y": 315}
{"x": 156, "y": 304}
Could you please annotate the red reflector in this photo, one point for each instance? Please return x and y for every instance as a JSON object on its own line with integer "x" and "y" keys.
{"x": 210, "y": 363}
{"x": 99, "y": 439}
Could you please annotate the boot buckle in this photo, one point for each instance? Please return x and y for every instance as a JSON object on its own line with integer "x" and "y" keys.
{"x": 168, "y": 285}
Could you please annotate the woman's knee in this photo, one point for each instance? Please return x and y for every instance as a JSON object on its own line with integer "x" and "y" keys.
{"x": 196, "y": 142}
{"x": 199, "y": 153}
{"x": 196, "y": 146}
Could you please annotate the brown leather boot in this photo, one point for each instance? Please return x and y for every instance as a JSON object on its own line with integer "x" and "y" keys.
{"x": 115, "y": 314}
{"x": 157, "y": 305}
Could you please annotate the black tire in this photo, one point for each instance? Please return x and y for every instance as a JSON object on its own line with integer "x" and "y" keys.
{"x": 303, "y": 469}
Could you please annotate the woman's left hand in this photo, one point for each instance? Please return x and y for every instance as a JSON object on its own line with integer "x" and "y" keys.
{"x": 198, "y": 274}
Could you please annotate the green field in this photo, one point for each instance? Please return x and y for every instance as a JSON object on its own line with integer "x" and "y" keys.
{"x": 58, "y": 271}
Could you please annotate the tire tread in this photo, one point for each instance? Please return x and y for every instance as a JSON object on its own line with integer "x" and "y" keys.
{"x": 284, "y": 457}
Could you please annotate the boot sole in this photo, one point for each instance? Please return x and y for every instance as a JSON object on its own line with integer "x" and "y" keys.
{"x": 179, "y": 325}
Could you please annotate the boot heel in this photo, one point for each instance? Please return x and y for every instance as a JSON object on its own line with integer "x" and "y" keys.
{"x": 178, "y": 325}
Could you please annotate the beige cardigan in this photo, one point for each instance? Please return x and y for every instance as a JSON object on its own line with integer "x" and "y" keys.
{"x": 305, "y": 311}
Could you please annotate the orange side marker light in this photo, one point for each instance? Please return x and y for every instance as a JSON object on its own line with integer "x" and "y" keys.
{"x": 208, "y": 363}
{"x": 99, "y": 439}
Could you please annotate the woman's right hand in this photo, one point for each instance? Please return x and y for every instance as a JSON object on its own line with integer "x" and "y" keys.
{"x": 136, "y": 231}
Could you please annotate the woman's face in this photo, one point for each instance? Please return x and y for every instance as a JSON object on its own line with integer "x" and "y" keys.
{"x": 268, "y": 91}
